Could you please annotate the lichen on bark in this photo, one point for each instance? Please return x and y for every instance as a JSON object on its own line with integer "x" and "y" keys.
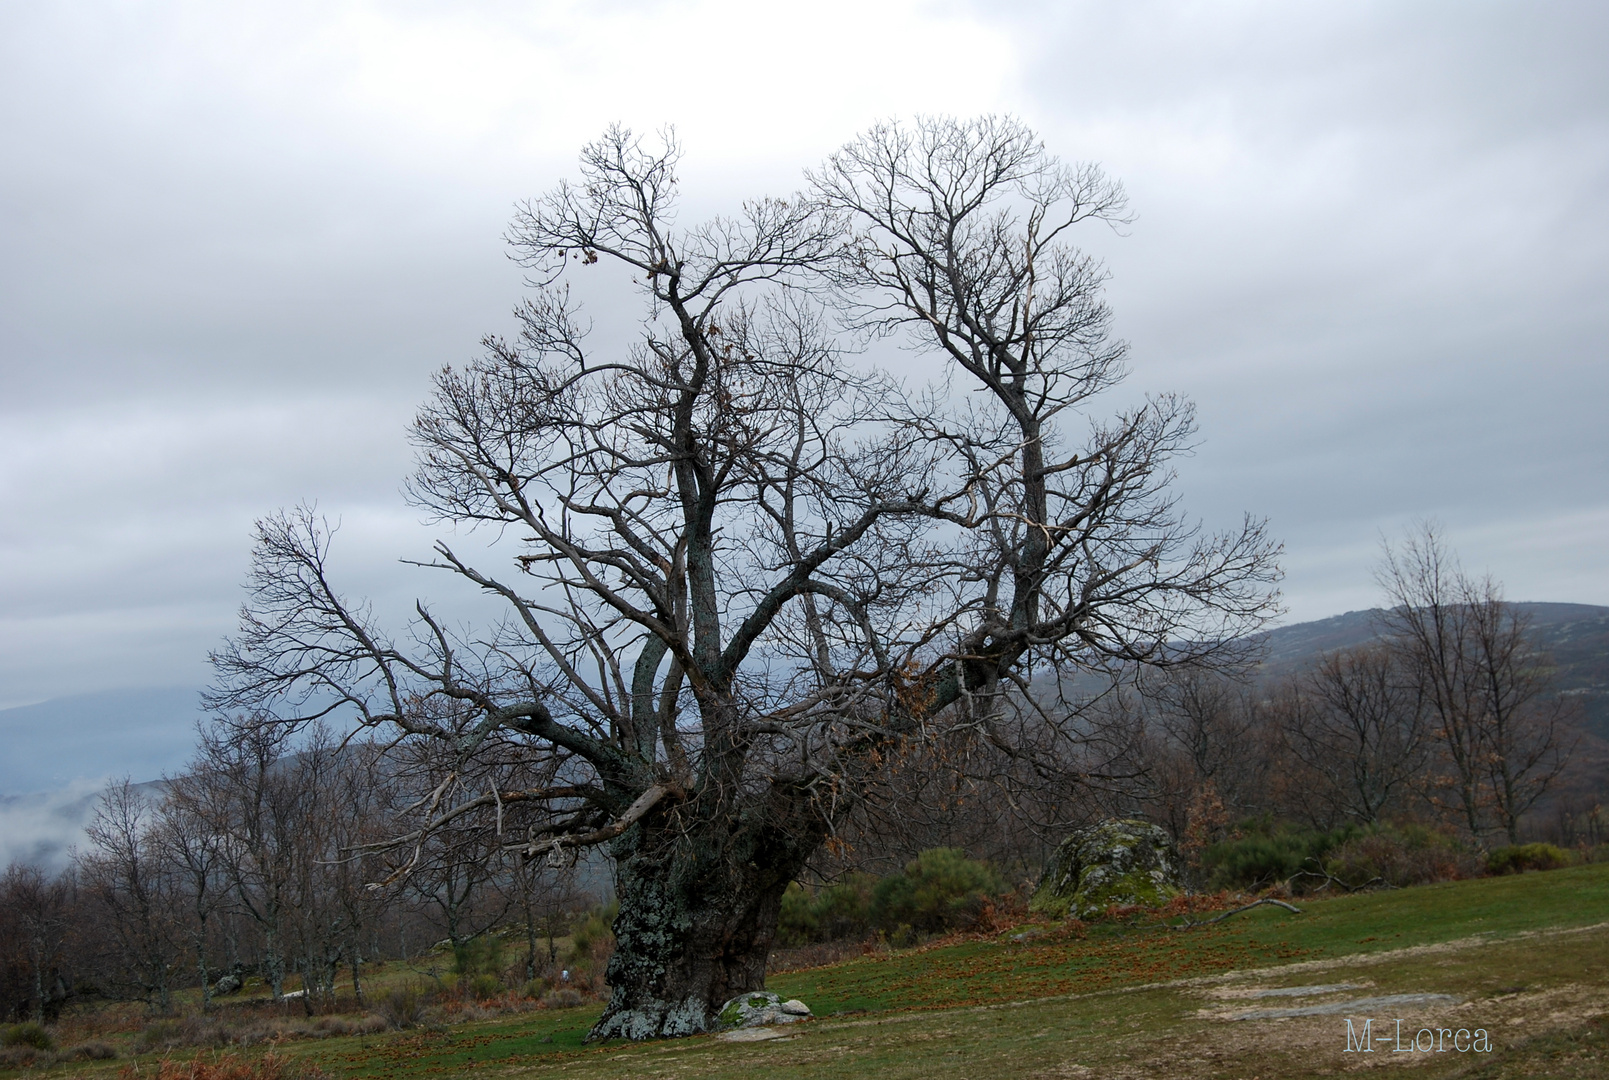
{"x": 700, "y": 890}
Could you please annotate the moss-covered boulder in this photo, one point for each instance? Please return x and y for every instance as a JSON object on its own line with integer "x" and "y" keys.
{"x": 761, "y": 1008}
{"x": 1122, "y": 861}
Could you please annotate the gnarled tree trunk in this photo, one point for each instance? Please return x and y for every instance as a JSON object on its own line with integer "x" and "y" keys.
{"x": 700, "y": 889}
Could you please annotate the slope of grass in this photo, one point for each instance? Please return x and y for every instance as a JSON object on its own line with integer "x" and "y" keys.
{"x": 1105, "y": 956}
{"x": 1083, "y": 989}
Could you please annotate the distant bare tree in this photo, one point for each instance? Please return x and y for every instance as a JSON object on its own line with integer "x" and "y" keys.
{"x": 1213, "y": 721}
{"x": 1487, "y": 684}
{"x": 36, "y": 912}
{"x": 1528, "y": 744}
{"x": 126, "y": 871}
{"x": 749, "y": 572}
{"x": 320, "y": 829}
{"x": 359, "y": 795}
{"x": 1357, "y": 721}
{"x": 188, "y": 833}
{"x": 458, "y": 866}
{"x": 257, "y": 824}
{"x": 458, "y": 877}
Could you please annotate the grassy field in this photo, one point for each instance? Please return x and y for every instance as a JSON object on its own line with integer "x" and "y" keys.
{"x": 1524, "y": 958}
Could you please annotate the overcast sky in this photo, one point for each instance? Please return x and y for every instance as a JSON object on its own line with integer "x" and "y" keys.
{"x": 1371, "y": 241}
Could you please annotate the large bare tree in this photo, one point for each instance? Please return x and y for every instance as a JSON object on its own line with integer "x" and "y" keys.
{"x": 748, "y": 570}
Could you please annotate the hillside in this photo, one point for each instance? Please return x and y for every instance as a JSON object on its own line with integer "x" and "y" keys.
{"x": 1521, "y": 959}
{"x": 139, "y": 732}
{"x": 1576, "y": 636}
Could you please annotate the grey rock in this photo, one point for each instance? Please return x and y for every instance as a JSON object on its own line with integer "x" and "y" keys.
{"x": 1356, "y": 1007}
{"x": 761, "y": 1008}
{"x": 1122, "y": 861}
{"x": 752, "y": 1035}
{"x": 1304, "y": 991}
{"x": 228, "y": 984}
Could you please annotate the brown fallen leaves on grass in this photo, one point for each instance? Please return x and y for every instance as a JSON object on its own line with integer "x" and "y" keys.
{"x": 269, "y": 1066}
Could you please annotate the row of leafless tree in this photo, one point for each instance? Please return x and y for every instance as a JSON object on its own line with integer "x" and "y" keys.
{"x": 255, "y": 861}
{"x": 1449, "y": 716}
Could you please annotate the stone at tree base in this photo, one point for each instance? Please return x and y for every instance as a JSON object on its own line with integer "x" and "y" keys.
{"x": 760, "y": 1008}
{"x": 228, "y": 984}
{"x": 1122, "y": 861}
{"x": 760, "y": 1034}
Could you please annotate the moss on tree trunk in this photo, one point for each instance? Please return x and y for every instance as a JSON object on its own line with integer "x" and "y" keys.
{"x": 699, "y": 898}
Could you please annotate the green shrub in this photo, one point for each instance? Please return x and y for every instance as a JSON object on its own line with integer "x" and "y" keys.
{"x": 941, "y": 889}
{"x": 563, "y": 998}
{"x": 593, "y": 942}
{"x": 21, "y": 1057}
{"x": 597, "y": 926}
{"x": 483, "y": 986}
{"x": 30, "y": 1035}
{"x": 403, "y": 1006}
{"x": 838, "y": 912}
{"x": 478, "y": 956}
{"x": 844, "y": 909}
{"x": 796, "y": 922}
{"x": 1522, "y": 857}
{"x": 161, "y": 1035}
{"x": 1265, "y": 853}
{"x": 1401, "y": 855}
{"x": 94, "y": 1050}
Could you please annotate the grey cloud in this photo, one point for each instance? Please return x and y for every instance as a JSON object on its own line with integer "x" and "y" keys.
{"x": 43, "y": 829}
{"x": 1371, "y": 243}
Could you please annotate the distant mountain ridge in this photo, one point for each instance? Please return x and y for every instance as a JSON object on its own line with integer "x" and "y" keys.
{"x": 141, "y": 733}
{"x": 1575, "y": 635}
